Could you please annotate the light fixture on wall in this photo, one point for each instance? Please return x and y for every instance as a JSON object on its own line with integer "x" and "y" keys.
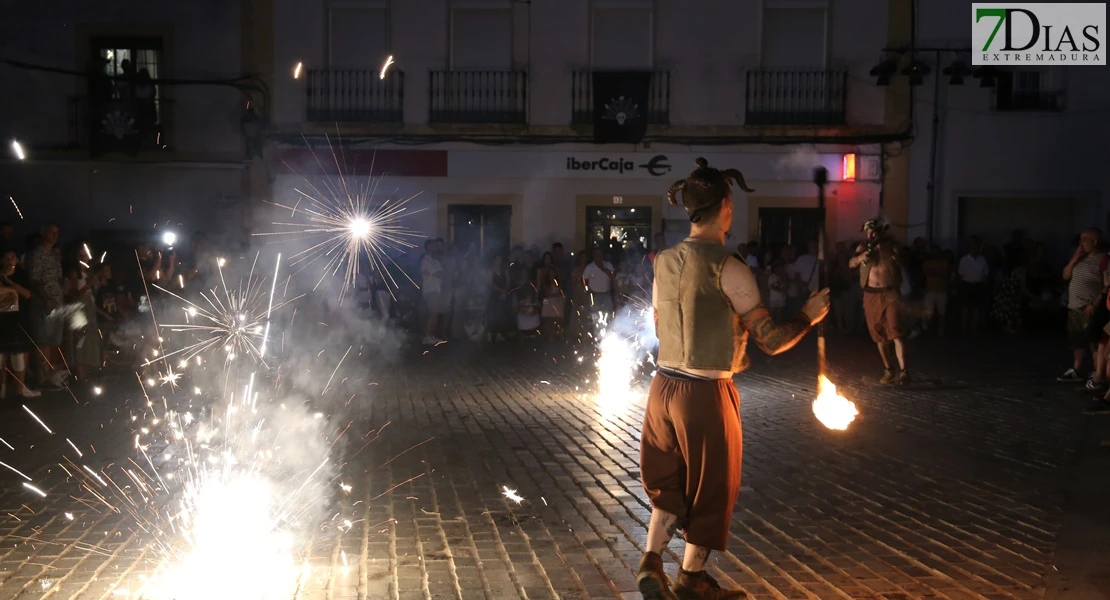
{"x": 848, "y": 167}
{"x": 956, "y": 72}
{"x": 916, "y": 71}
{"x": 883, "y": 71}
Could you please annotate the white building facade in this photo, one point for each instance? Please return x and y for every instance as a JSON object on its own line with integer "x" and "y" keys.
{"x": 109, "y": 143}
{"x": 1024, "y": 153}
{"x": 487, "y": 114}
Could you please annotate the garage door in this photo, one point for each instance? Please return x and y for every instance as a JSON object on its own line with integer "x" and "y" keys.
{"x": 1054, "y": 221}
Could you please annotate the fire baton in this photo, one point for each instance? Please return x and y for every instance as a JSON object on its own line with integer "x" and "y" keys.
{"x": 821, "y": 177}
{"x": 833, "y": 410}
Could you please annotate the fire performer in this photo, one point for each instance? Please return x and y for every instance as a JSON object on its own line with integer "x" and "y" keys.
{"x": 880, "y": 276}
{"x": 706, "y": 303}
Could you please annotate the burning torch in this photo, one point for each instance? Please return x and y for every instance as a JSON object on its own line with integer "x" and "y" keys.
{"x": 833, "y": 410}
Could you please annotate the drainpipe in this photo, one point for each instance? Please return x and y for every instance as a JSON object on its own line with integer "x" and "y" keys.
{"x": 930, "y": 206}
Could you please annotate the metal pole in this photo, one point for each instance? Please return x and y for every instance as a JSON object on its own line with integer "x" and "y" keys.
{"x": 930, "y": 205}
{"x": 821, "y": 177}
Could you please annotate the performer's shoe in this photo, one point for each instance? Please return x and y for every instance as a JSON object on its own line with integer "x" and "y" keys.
{"x": 700, "y": 586}
{"x": 888, "y": 377}
{"x": 651, "y": 579}
{"x": 904, "y": 377}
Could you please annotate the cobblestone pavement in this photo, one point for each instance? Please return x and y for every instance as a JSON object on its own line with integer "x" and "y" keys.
{"x": 948, "y": 488}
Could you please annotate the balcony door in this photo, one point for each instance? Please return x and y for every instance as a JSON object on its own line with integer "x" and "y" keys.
{"x": 358, "y": 36}
{"x": 794, "y": 39}
{"x": 622, "y": 36}
{"x": 481, "y": 39}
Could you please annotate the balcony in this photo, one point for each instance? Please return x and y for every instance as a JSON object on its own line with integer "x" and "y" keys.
{"x": 119, "y": 126}
{"x": 1028, "y": 101}
{"x": 582, "y": 98}
{"x": 795, "y": 97}
{"x": 479, "y": 97}
{"x": 355, "y": 96}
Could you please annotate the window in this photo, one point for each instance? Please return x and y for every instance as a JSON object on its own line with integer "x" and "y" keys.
{"x": 481, "y": 39}
{"x": 124, "y": 56}
{"x": 358, "y": 35}
{"x": 621, "y": 36}
{"x": 1029, "y": 89}
{"x": 124, "y": 104}
{"x": 794, "y": 38}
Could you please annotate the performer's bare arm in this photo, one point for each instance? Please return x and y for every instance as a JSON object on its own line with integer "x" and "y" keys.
{"x": 859, "y": 258}
{"x": 739, "y": 284}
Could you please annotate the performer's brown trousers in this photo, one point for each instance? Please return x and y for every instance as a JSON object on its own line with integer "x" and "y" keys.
{"x": 690, "y": 455}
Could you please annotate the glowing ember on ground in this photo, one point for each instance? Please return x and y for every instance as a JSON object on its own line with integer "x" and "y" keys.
{"x": 833, "y": 410}
{"x": 511, "y": 494}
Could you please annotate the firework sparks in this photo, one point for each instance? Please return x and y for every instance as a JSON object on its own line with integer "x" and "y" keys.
{"x": 345, "y": 223}
{"x": 385, "y": 67}
{"x": 297, "y": 70}
{"x": 16, "y": 205}
{"x": 17, "y": 149}
{"x": 233, "y": 320}
{"x": 624, "y": 345}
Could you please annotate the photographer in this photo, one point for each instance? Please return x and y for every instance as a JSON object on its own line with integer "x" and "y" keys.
{"x": 880, "y": 276}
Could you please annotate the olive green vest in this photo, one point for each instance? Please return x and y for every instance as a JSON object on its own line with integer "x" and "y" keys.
{"x": 697, "y": 327}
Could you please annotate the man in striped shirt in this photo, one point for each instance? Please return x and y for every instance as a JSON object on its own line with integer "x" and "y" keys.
{"x": 1084, "y": 274}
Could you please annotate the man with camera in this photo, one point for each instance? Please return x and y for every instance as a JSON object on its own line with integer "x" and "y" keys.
{"x": 880, "y": 276}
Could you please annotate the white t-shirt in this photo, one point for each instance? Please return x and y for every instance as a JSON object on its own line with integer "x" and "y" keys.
{"x": 805, "y": 267}
{"x": 777, "y": 297}
{"x": 973, "y": 269}
{"x": 597, "y": 280}
{"x": 431, "y": 273}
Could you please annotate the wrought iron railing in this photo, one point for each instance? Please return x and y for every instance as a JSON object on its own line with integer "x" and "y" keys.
{"x": 795, "y": 97}
{"x": 1029, "y": 101}
{"x": 478, "y": 97}
{"x": 144, "y": 126}
{"x": 355, "y": 95}
{"x": 658, "y": 101}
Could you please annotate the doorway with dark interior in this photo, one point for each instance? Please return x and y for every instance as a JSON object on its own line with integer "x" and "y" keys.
{"x": 619, "y": 231}
{"x": 484, "y": 227}
{"x": 794, "y": 227}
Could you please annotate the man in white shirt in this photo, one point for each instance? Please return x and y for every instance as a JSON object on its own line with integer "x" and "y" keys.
{"x": 972, "y": 273}
{"x": 598, "y": 276}
{"x": 803, "y": 273}
{"x": 432, "y": 288}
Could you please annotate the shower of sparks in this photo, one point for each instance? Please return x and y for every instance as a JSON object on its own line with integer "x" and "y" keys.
{"x": 344, "y": 221}
{"x": 511, "y": 494}
{"x": 17, "y": 149}
{"x": 232, "y": 320}
{"x": 624, "y": 345}
{"x": 34, "y": 489}
{"x": 37, "y": 419}
{"x": 385, "y": 67}
{"x": 17, "y": 211}
{"x": 297, "y": 70}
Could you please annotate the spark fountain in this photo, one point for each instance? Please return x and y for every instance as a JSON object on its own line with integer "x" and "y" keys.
{"x": 624, "y": 346}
